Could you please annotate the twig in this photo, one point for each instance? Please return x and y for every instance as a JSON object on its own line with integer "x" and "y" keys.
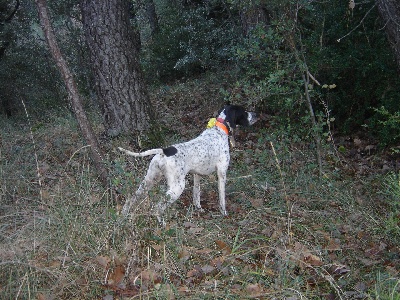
{"x": 328, "y": 122}
{"x": 20, "y": 286}
{"x": 313, "y": 78}
{"x": 306, "y": 80}
{"x": 289, "y": 207}
{"x": 359, "y": 24}
{"x": 35, "y": 153}
{"x": 73, "y": 154}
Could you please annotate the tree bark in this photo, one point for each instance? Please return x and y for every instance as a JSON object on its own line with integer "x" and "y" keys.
{"x": 390, "y": 13}
{"x": 252, "y": 16}
{"x": 72, "y": 90}
{"x": 114, "y": 56}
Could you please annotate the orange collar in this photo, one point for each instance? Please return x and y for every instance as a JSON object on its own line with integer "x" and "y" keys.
{"x": 222, "y": 126}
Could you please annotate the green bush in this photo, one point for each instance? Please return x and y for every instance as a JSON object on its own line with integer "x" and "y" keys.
{"x": 387, "y": 125}
{"x": 190, "y": 40}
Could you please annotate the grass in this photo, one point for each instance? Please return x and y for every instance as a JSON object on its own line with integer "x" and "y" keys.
{"x": 289, "y": 234}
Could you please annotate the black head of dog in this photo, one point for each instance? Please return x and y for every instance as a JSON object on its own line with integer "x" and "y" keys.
{"x": 236, "y": 115}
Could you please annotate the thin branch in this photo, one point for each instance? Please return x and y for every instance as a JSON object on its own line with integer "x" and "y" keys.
{"x": 313, "y": 78}
{"x": 359, "y": 24}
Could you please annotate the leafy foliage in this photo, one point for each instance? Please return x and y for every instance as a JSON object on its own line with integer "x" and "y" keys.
{"x": 190, "y": 40}
{"x": 356, "y": 58}
{"x": 265, "y": 59}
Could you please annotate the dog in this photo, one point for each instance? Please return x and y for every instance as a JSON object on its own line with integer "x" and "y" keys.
{"x": 207, "y": 153}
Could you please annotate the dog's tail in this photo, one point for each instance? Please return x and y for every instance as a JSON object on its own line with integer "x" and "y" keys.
{"x": 142, "y": 154}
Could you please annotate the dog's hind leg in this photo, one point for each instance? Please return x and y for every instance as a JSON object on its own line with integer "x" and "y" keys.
{"x": 152, "y": 177}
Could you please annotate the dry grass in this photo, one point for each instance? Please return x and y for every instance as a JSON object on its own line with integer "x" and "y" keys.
{"x": 289, "y": 235}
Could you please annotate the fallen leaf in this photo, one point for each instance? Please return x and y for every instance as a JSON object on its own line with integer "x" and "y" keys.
{"x": 116, "y": 276}
{"x": 207, "y": 269}
{"x": 254, "y": 290}
{"x": 362, "y": 235}
{"x": 194, "y": 276}
{"x": 204, "y": 251}
{"x": 55, "y": 264}
{"x": 256, "y": 202}
{"x": 375, "y": 250}
{"x": 195, "y": 272}
{"x": 361, "y": 287}
{"x": 369, "y": 262}
{"x": 333, "y": 245}
{"x": 392, "y": 271}
{"x": 369, "y": 148}
{"x": 269, "y": 272}
{"x": 217, "y": 262}
{"x": 165, "y": 290}
{"x": 40, "y": 296}
{"x": 188, "y": 224}
{"x": 149, "y": 277}
{"x": 183, "y": 289}
{"x": 184, "y": 254}
{"x": 338, "y": 270}
{"x": 157, "y": 247}
{"x": 195, "y": 230}
{"x": 103, "y": 261}
{"x": 313, "y": 260}
{"x": 357, "y": 142}
{"x": 224, "y": 247}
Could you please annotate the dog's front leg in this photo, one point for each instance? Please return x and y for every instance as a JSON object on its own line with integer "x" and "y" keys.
{"x": 162, "y": 206}
{"x": 221, "y": 188}
{"x": 196, "y": 192}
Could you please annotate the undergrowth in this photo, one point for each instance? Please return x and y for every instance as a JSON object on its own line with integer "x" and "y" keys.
{"x": 289, "y": 233}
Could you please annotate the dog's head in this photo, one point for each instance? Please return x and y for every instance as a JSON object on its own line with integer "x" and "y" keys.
{"x": 236, "y": 115}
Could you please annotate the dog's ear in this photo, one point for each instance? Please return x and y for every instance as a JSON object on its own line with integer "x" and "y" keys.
{"x": 236, "y": 115}
{"x": 231, "y": 115}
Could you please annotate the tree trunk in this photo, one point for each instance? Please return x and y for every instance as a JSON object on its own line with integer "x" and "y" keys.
{"x": 114, "y": 58}
{"x": 252, "y": 16}
{"x": 72, "y": 90}
{"x": 390, "y": 13}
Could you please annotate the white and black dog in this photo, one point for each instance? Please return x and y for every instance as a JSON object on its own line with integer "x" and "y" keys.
{"x": 203, "y": 155}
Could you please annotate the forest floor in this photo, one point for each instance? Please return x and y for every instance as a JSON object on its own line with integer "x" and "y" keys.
{"x": 290, "y": 233}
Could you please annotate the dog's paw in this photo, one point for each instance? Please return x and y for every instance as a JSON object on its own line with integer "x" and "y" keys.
{"x": 224, "y": 212}
{"x": 125, "y": 210}
{"x": 199, "y": 209}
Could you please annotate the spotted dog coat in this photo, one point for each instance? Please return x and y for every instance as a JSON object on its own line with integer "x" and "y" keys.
{"x": 203, "y": 155}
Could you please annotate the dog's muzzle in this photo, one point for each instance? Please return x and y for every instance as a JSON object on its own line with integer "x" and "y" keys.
{"x": 252, "y": 117}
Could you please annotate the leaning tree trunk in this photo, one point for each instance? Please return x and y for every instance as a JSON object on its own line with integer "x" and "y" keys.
{"x": 72, "y": 89}
{"x": 390, "y": 13}
{"x": 114, "y": 58}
